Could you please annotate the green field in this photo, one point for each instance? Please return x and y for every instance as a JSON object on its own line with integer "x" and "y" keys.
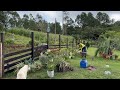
{"x": 80, "y": 73}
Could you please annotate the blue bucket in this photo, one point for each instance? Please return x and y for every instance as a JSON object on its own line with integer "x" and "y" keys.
{"x": 83, "y": 63}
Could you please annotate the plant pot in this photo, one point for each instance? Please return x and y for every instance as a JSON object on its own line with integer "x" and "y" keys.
{"x": 50, "y": 73}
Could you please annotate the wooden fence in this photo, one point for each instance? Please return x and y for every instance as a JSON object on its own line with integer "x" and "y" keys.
{"x": 9, "y": 60}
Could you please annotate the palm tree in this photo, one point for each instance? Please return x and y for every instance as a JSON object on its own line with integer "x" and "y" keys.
{"x": 105, "y": 47}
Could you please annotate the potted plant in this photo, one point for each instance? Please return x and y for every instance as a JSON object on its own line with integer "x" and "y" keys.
{"x": 50, "y": 69}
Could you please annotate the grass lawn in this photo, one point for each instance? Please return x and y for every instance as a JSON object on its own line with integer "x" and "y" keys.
{"x": 80, "y": 73}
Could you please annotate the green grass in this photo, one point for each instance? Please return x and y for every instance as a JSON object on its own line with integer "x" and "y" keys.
{"x": 117, "y": 53}
{"x": 41, "y": 36}
{"x": 80, "y": 73}
{"x": 18, "y": 39}
{"x": 91, "y": 51}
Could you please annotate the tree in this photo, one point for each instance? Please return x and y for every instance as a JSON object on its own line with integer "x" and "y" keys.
{"x": 70, "y": 30}
{"x": 43, "y": 26}
{"x": 82, "y": 20}
{"x": 19, "y": 23}
{"x": 92, "y": 22}
{"x": 103, "y": 18}
{"x": 65, "y": 21}
{"x": 39, "y": 22}
{"x": 58, "y": 28}
{"x": 16, "y": 17}
{"x": 4, "y": 20}
{"x": 70, "y": 22}
{"x": 117, "y": 23}
{"x": 70, "y": 26}
{"x": 25, "y": 21}
{"x": 32, "y": 23}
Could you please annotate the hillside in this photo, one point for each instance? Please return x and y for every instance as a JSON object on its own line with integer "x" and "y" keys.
{"x": 41, "y": 36}
{"x": 22, "y": 37}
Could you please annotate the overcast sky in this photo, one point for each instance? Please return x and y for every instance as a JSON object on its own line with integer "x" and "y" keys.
{"x": 51, "y": 15}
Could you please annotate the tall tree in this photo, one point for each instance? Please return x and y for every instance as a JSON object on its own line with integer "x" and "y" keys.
{"x": 65, "y": 20}
{"x": 39, "y": 21}
{"x": 82, "y": 20}
{"x": 70, "y": 26}
{"x": 32, "y": 23}
{"x": 117, "y": 23}
{"x": 58, "y": 28}
{"x": 25, "y": 20}
{"x": 103, "y": 18}
{"x": 14, "y": 19}
{"x": 92, "y": 22}
{"x": 4, "y": 20}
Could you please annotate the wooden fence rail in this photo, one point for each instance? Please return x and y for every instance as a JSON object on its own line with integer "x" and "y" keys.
{"x": 18, "y": 52}
{"x": 9, "y": 60}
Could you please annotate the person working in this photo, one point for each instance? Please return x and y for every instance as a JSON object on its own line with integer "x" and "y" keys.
{"x": 83, "y": 48}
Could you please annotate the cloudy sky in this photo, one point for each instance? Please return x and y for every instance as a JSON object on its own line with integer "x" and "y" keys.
{"x": 51, "y": 15}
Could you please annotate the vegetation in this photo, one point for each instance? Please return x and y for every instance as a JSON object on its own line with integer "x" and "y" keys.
{"x": 79, "y": 73}
{"x": 34, "y": 66}
{"x": 79, "y": 28}
{"x": 100, "y": 31}
{"x": 50, "y": 65}
{"x": 40, "y": 36}
{"x": 107, "y": 43}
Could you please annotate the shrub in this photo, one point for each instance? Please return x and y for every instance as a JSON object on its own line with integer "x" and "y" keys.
{"x": 44, "y": 60}
{"x": 34, "y": 66}
{"x": 50, "y": 65}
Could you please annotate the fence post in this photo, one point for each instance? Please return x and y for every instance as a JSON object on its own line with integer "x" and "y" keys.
{"x": 59, "y": 41}
{"x": 32, "y": 44}
{"x": 67, "y": 43}
{"x": 47, "y": 40}
{"x": 2, "y": 56}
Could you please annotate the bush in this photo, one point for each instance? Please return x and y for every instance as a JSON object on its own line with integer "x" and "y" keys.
{"x": 36, "y": 65}
{"x": 50, "y": 65}
{"x": 44, "y": 60}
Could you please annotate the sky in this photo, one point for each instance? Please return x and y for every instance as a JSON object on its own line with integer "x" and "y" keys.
{"x": 50, "y": 16}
